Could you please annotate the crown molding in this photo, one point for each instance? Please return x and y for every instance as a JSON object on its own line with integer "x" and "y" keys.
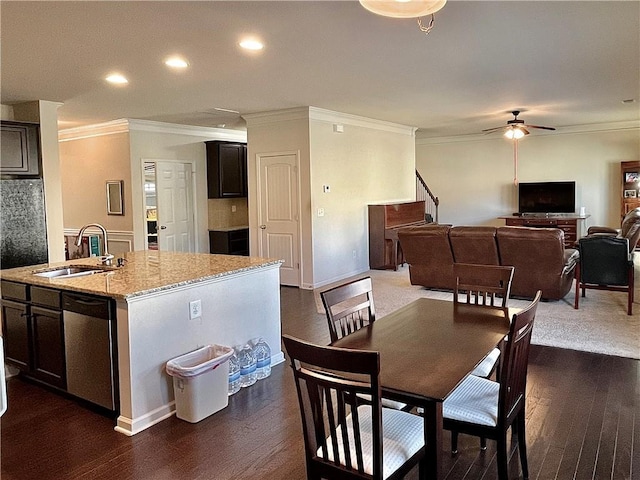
{"x": 125, "y": 125}
{"x": 96, "y": 130}
{"x": 568, "y": 130}
{"x": 323, "y": 115}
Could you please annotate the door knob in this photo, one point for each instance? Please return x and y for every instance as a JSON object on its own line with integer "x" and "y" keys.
{"x": 163, "y": 227}
{"x": 263, "y": 227}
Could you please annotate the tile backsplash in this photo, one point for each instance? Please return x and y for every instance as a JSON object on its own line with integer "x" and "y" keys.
{"x": 221, "y": 214}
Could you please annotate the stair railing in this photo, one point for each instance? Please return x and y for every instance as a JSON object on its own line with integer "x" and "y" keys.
{"x": 431, "y": 202}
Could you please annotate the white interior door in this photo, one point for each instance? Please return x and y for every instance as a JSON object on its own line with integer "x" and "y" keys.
{"x": 279, "y": 218}
{"x": 176, "y": 224}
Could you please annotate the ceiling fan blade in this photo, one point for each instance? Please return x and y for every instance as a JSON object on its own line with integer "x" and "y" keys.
{"x": 538, "y": 126}
{"x": 488, "y": 130}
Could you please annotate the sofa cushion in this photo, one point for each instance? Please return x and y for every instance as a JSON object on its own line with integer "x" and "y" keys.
{"x": 427, "y": 250}
{"x": 475, "y": 245}
{"x": 539, "y": 257}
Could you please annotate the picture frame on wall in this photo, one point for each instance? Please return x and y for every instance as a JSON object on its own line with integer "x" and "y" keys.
{"x": 630, "y": 193}
{"x": 631, "y": 177}
{"x": 115, "y": 202}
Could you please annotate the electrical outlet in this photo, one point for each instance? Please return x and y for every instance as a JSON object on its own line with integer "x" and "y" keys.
{"x": 195, "y": 309}
{"x": 321, "y": 212}
{"x": 233, "y": 208}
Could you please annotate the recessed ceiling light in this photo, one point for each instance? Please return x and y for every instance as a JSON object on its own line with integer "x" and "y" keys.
{"x": 251, "y": 44}
{"x": 176, "y": 62}
{"x": 117, "y": 79}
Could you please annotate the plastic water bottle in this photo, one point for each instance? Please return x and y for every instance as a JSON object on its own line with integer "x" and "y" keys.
{"x": 263, "y": 359}
{"x": 234, "y": 374}
{"x": 247, "y": 366}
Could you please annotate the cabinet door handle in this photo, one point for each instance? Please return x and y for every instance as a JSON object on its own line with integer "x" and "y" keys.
{"x": 263, "y": 227}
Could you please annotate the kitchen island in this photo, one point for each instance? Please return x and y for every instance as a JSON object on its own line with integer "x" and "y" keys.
{"x": 153, "y": 292}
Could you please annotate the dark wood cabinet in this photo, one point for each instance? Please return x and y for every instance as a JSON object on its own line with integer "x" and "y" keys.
{"x": 33, "y": 332}
{"x": 226, "y": 169}
{"x": 568, "y": 224}
{"x": 20, "y": 149}
{"x": 229, "y": 242}
{"x": 15, "y": 330}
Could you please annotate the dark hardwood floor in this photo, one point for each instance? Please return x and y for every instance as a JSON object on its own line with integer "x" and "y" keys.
{"x": 583, "y": 415}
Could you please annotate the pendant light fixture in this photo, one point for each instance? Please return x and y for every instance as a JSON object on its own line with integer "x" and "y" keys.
{"x": 406, "y": 9}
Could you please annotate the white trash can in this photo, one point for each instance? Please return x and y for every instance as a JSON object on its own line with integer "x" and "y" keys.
{"x": 200, "y": 382}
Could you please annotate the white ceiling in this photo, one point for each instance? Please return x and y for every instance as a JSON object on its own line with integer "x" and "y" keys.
{"x": 562, "y": 63}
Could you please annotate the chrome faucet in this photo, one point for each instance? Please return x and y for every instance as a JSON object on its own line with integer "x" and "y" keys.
{"x": 106, "y": 258}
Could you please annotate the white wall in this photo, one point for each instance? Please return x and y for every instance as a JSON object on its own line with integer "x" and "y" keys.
{"x": 370, "y": 162}
{"x": 275, "y": 133}
{"x": 473, "y": 178}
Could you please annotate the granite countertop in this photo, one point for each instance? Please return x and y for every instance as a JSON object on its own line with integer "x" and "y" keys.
{"x": 143, "y": 272}
{"x": 229, "y": 229}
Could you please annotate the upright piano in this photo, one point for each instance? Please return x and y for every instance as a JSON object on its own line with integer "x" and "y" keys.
{"x": 384, "y": 222}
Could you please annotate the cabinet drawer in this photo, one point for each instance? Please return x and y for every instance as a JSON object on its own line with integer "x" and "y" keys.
{"x": 45, "y": 297}
{"x": 14, "y": 290}
{"x": 540, "y": 222}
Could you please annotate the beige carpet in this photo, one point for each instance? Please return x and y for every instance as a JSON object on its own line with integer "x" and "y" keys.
{"x": 601, "y": 325}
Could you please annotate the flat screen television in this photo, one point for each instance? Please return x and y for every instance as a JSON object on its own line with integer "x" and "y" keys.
{"x": 547, "y": 197}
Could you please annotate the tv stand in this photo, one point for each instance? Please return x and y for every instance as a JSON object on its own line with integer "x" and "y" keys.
{"x": 567, "y": 222}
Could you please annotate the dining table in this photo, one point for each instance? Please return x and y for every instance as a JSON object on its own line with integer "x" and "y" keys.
{"x": 426, "y": 349}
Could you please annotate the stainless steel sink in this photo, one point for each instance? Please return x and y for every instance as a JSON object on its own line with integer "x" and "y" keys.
{"x": 68, "y": 272}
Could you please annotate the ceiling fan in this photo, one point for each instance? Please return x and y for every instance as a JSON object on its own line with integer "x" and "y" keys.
{"x": 516, "y": 128}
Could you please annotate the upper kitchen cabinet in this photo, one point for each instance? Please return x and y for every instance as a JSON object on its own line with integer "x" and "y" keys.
{"x": 20, "y": 154}
{"x": 226, "y": 169}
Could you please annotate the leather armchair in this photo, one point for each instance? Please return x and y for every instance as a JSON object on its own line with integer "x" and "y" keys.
{"x": 629, "y": 229}
{"x": 606, "y": 263}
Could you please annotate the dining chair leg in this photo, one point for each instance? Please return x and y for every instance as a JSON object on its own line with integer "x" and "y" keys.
{"x": 454, "y": 442}
{"x": 522, "y": 445}
{"x": 503, "y": 471}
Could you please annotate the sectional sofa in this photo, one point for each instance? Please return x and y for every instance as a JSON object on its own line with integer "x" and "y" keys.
{"x": 538, "y": 254}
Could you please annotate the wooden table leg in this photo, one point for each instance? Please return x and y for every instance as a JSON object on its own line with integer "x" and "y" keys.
{"x": 433, "y": 439}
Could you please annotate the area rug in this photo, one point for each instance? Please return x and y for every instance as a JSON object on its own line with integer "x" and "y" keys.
{"x": 601, "y": 325}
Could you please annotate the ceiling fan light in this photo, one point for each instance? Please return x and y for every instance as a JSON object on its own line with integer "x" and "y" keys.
{"x": 403, "y": 8}
{"x": 514, "y": 133}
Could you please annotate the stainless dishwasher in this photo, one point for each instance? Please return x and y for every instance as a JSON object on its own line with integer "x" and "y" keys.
{"x": 89, "y": 345}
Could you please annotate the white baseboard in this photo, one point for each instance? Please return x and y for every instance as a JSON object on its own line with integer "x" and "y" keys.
{"x": 130, "y": 426}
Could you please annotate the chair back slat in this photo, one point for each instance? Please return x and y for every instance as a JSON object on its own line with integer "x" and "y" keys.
{"x": 349, "y": 307}
{"x": 330, "y": 382}
{"x": 487, "y": 285}
{"x": 513, "y": 373}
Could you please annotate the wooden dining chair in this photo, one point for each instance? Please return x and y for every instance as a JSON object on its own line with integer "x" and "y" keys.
{"x": 487, "y": 285}
{"x": 344, "y": 438}
{"x": 485, "y": 408}
{"x": 350, "y": 307}
{"x": 483, "y": 285}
